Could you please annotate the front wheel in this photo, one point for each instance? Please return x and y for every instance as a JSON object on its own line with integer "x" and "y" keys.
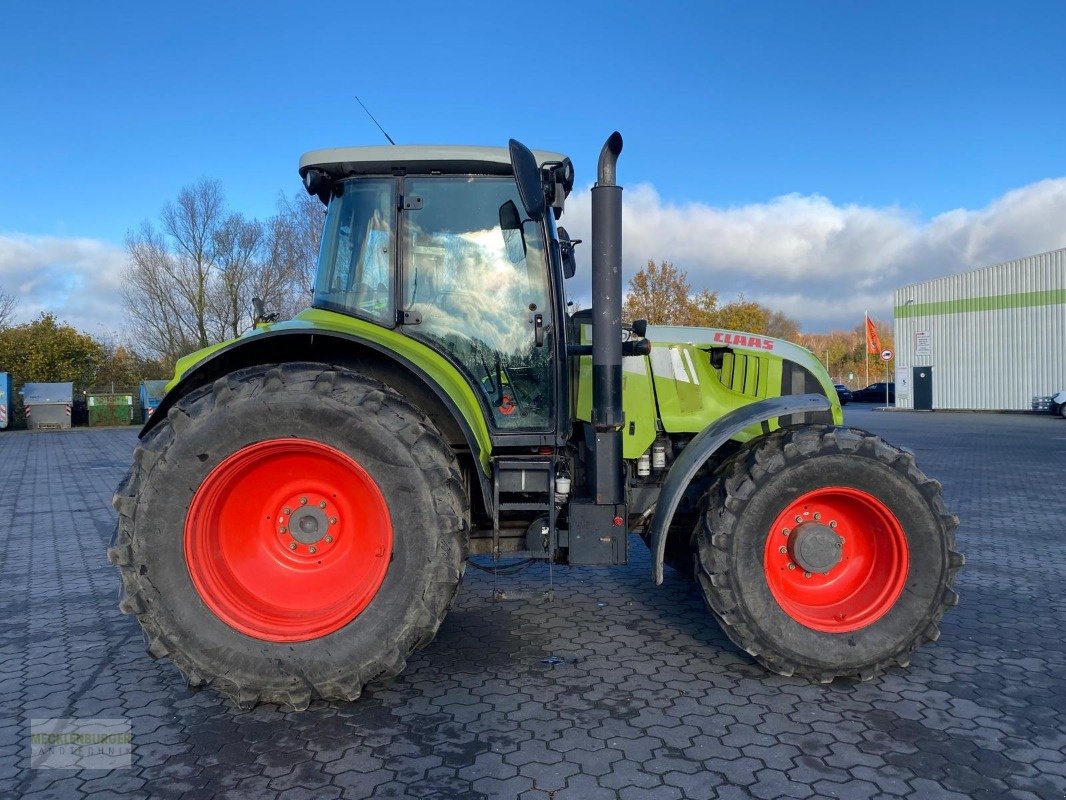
{"x": 825, "y": 552}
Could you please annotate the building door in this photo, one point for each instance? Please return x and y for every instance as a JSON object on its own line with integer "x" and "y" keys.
{"x": 923, "y": 388}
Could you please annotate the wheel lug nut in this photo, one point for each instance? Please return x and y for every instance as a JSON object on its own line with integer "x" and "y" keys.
{"x": 806, "y": 574}
{"x": 782, "y": 550}
{"x": 832, "y": 523}
{"x": 785, "y": 532}
{"x": 791, "y": 565}
{"x": 303, "y": 501}
{"x": 817, "y": 514}
{"x": 286, "y": 510}
{"x": 799, "y": 518}
{"x": 329, "y": 540}
{"x": 322, "y": 504}
{"x": 283, "y": 529}
{"x": 312, "y": 549}
{"x": 292, "y": 545}
{"x": 332, "y": 520}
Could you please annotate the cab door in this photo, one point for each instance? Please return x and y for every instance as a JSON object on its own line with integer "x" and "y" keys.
{"x": 475, "y": 287}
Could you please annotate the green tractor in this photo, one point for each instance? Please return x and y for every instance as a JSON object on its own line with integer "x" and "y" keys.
{"x": 302, "y": 505}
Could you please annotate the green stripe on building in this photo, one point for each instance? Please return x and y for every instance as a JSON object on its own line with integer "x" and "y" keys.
{"x": 996, "y": 302}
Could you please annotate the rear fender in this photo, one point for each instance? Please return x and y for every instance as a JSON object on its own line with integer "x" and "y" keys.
{"x": 703, "y": 446}
{"x": 338, "y": 349}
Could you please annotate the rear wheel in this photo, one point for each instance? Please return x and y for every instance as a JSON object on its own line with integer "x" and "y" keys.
{"x": 290, "y": 532}
{"x": 825, "y": 552}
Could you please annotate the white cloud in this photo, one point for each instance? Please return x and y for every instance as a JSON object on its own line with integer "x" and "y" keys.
{"x": 819, "y": 262}
{"x": 77, "y": 279}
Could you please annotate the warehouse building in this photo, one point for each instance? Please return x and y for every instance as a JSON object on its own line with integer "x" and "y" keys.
{"x": 989, "y": 338}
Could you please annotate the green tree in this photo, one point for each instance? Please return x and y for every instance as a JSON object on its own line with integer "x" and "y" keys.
{"x": 124, "y": 369}
{"x": 659, "y": 294}
{"x": 744, "y": 315}
{"x": 46, "y": 351}
{"x": 663, "y": 295}
{"x": 845, "y": 353}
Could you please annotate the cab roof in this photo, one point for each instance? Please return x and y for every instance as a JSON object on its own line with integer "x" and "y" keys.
{"x": 449, "y": 159}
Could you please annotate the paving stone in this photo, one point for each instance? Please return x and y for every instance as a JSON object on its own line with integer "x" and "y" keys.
{"x": 647, "y": 697}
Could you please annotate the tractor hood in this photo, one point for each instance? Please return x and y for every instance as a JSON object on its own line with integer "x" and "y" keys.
{"x": 736, "y": 340}
{"x": 694, "y": 376}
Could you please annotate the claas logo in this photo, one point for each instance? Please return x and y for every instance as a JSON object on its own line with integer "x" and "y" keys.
{"x": 741, "y": 340}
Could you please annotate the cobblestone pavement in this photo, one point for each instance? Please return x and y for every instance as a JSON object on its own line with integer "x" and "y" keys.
{"x": 617, "y": 689}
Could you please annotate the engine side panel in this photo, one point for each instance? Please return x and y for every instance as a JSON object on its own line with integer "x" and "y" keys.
{"x": 695, "y": 376}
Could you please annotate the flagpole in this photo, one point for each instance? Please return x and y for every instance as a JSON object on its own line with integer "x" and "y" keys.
{"x": 866, "y": 342}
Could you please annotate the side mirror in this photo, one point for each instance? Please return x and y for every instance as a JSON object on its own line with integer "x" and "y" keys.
{"x": 527, "y": 176}
{"x": 566, "y": 245}
{"x": 514, "y": 238}
{"x": 260, "y": 314}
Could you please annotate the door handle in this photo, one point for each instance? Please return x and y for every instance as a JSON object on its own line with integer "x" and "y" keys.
{"x": 538, "y": 330}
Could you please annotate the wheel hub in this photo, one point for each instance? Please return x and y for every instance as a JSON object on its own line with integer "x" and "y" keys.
{"x": 308, "y": 520}
{"x": 815, "y": 547}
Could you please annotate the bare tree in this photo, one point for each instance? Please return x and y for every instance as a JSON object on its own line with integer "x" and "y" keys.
{"x": 169, "y": 279}
{"x": 191, "y": 278}
{"x": 192, "y": 223}
{"x": 237, "y": 247}
{"x": 8, "y": 303}
{"x": 296, "y": 236}
{"x": 162, "y": 320}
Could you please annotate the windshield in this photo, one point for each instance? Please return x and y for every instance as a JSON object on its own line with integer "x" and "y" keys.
{"x": 355, "y": 265}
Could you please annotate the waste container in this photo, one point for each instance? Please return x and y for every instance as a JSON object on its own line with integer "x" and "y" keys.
{"x": 151, "y": 395}
{"x": 5, "y": 399}
{"x": 110, "y": 409}
{"x": 47, "y": 405}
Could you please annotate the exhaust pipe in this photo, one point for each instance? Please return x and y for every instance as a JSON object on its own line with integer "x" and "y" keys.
{"x": 607, "y": 417}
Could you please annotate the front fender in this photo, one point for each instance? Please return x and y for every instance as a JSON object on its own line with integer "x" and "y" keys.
{"x": 703, "y": 446}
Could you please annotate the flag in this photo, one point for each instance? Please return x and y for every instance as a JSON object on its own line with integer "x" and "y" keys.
{"x": 873, "y": 341}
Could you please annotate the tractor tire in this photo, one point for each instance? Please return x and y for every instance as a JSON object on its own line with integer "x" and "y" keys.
{"x": 824, "y": 552}
{"x": 290, "y": 532}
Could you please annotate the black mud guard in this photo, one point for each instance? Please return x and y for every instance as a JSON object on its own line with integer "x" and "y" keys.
{"x": 703, "y": 446}
{"x": 329, "y": 347}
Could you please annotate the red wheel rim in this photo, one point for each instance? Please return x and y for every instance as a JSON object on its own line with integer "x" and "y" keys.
{"x": 872, "y": 559}
{"x": 288, "y": 540}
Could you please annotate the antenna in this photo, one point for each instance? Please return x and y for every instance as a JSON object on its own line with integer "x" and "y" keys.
{"x": 367, "y": 110}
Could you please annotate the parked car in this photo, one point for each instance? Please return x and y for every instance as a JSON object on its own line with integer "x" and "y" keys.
{"x": 1058, "y": 404}
{"x": 1054, "y": 403}
{"x": 843, "y": 393}
{"x": 875, "y": 393}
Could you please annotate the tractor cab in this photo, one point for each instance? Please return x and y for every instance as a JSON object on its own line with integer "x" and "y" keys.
{"x": 435, "y": 242}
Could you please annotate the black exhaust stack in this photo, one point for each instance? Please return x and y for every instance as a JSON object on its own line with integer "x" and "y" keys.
{"x": 607, "y": 418}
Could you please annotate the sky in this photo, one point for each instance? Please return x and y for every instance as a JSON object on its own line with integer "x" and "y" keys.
{"x": 812, "y": 156}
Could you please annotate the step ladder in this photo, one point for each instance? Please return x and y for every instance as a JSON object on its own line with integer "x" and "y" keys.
{"x": 533, "y": 475}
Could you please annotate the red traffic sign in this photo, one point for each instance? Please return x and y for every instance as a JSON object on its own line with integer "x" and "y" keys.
{"x": 886, "y": 355}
